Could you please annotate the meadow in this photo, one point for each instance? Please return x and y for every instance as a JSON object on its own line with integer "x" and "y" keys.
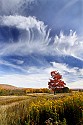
{"x": 42, "y": 109}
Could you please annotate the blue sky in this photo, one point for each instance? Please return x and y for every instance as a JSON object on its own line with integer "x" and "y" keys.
{"x": 38, "y": 36}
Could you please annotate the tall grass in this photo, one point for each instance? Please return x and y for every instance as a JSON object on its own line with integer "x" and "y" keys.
{"x": 38, "y": 109}
{"x": 66, "y": 110}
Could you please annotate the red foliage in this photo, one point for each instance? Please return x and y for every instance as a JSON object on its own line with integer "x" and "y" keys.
{"x": 56, "y": 81}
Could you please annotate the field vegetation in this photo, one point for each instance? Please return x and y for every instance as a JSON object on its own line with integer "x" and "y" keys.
{"x": 22, "y": 91}
{"x": 42, "y": 109}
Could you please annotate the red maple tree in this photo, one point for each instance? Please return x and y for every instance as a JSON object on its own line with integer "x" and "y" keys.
{"x": 56, "y": 82}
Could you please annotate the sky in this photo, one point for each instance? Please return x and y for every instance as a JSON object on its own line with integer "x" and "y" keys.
{"x": 40, "y": 36}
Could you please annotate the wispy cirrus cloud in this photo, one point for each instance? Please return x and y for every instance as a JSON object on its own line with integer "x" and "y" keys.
{"x": 71, "y": 44}
{"x": 37, "y": 35}
{"x": 9, "y": 64}
{"x": 9, "y": 7}
{"x": 36, "y": 39}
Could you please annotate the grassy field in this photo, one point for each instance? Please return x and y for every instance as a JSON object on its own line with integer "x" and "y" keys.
{"x": 42, "y": 109}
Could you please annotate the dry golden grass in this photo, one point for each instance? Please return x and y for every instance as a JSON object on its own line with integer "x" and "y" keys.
{"x": 30, "y": 109}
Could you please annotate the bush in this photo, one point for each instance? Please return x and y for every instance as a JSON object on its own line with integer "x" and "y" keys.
{"x": 65, "y": 90}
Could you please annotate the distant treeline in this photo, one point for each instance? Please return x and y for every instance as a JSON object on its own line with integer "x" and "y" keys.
{"x": 36, "y": 90}
{"x": 79, "y": 90}
{"x": 17, "y": 92}
{"x": 25, "y": 91}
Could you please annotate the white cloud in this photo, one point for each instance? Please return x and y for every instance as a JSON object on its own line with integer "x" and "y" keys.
{"x": 70, "y": 75}
{"x": 31, "y": 80}
{"x": 63, "y": 67}
{"x": 22, "y": 22}
{"x": 19, "y": 61}
{"x": 77, "y": 84}
{"x": 37, "y": 39}
{"x": 38, "y": 78}
{"x": 71, "y": 45}
{"x": 8, "y": 7}
{"x": 7, "y": 63}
